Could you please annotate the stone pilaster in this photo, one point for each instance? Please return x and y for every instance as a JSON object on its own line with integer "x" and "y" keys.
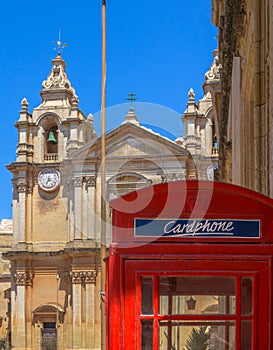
{"x": 76, "y": 279}
{"x": 90, "y": 217}
{"x": 20, "y": 232}
{"x": 71, "y": 213}
{"x": 90, "y": 307}
{"x": 18, "y": 300}
{"x": 83, "y": 331}
{"x": 78, "y": 207}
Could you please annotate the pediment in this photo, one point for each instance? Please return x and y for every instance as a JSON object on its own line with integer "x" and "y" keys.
{"x": 132, "y": 140}
{"x": 134, "y": 145}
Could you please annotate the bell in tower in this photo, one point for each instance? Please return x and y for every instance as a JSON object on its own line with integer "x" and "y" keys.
{"x": 51, "y": 137}
{"x": 51, "y": 141}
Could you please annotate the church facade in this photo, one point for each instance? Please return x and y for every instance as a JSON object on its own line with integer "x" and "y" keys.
{"x": 52, "y": 291}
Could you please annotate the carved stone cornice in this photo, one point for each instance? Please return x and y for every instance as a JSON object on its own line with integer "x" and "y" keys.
{"x": 79, "y": 277}
{"x": 90, "y": 181}
{"x": 23, "y": 278}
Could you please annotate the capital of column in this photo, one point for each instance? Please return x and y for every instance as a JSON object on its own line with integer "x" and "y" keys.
{"x": 21, "y": 185}
{"x": 30, "y": 185}
{"x": 90, "y": 276}
{"x": 90, "y": 181}
{"x": 23, "y": 278}
{"x": 77, "y": 181}
{"x": 78, "y": 277}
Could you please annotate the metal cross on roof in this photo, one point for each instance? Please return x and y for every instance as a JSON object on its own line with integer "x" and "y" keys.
{"x": 59, "y": 45}
{"x": 131, "y": 98}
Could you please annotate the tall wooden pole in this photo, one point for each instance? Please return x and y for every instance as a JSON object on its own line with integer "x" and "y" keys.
{"x": 103, "y": 177}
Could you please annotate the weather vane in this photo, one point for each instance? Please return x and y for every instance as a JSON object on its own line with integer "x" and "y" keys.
{"x": 59, "y": 45}
{"x": 131, "y": 98}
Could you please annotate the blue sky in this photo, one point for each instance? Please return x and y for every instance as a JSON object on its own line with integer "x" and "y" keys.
{"x": 159, "y": 49}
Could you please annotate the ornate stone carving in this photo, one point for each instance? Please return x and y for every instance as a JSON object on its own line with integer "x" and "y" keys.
{"x": 24, "y": 148}
{"x": 172, "y": 177}
{"x": 214, "y": 72}
{"x": 21, "y": 185}
{"x": 90, "y": 181}
{"x": 39, "y": 324}
{"x": 77, "y": 181}
{"x": 57, "y": 78}
{"x": 23, "y": 278}
{"x": 75, "y": 101}
{"x": 90, "y": 276}
{"x": 73, "y": 145}
{"x": 78, "y": 277}
{"x": 30, "y": 185}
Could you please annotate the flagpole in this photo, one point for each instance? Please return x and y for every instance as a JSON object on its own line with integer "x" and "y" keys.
{"x": 103, "y": 177}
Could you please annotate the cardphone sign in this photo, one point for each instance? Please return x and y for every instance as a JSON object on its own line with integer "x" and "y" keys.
{"x": 197, "y": 228}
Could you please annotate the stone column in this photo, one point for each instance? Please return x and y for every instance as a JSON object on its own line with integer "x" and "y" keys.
{"x": 90, "y": 219}
{"x": 37, "y": 334}
{"x": 76, "y": 278}
{"x": 78, "y": 207}
{"x": 28, "y": 235}
{"x": 20, "y": 234}
{"x": 90, "y": 281}
{"x": 18, "y": 318}
{"x": 70, "y": 208}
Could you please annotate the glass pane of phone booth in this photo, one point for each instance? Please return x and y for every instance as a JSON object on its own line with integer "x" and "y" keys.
{"x": 196, "y": 312}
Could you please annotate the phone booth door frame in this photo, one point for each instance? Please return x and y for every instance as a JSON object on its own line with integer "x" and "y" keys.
{"x": 242, "y": 316}
{"x": 228, "y": 275}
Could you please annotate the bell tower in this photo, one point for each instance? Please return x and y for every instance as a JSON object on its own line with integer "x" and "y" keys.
{"x": 40, "y": 266}
{"x": 46, "y": 137}
{"x": 58, "y": 118}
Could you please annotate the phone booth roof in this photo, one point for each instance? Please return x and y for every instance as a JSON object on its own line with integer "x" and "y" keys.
{"x": 192, "y": 211}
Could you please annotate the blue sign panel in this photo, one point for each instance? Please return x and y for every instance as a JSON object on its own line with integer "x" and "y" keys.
{"x": 197, "y": 228}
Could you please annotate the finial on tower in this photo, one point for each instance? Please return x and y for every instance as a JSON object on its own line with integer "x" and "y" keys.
{"x": 59, "y": 45}
{"x": 132, "y": 98}
{"x": 191, "y": 95}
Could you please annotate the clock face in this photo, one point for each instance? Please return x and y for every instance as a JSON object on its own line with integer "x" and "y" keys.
{"x": 49, "y": 179}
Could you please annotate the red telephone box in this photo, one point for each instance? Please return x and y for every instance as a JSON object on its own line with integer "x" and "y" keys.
{"x": 190, "y": 267}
